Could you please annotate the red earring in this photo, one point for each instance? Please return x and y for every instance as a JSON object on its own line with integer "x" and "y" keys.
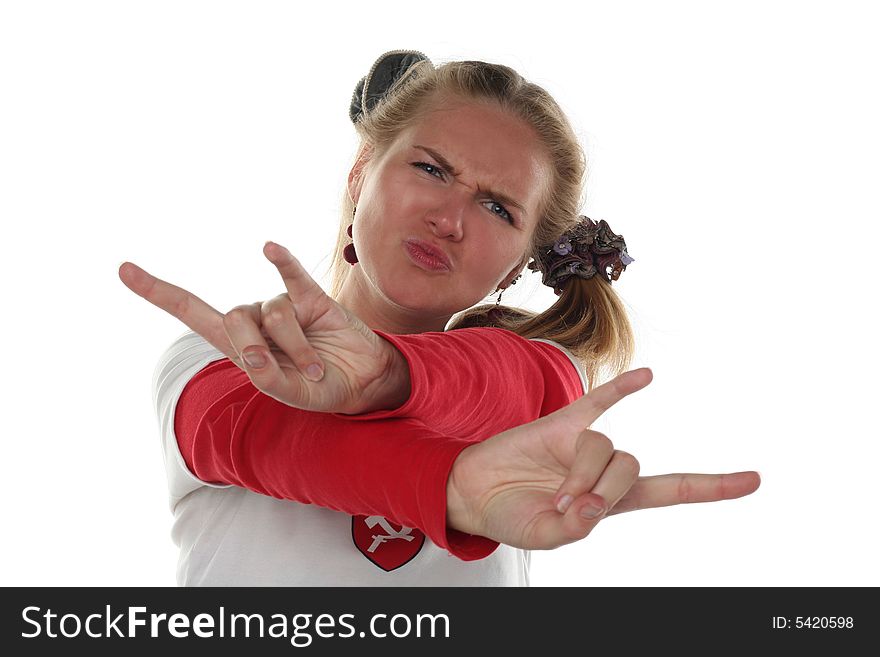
{"x": 348, "y": 252}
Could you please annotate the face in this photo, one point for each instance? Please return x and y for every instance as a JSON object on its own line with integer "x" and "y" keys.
{"x": 465, "y": 183}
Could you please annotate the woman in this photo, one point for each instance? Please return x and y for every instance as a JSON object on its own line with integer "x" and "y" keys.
{"x": 414, "y": 450}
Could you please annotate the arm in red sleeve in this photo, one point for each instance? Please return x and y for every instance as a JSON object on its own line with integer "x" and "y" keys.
{"x": 473, "y": 383}
{"x": 230, "y": 432}
{"x": 471, "y": 379}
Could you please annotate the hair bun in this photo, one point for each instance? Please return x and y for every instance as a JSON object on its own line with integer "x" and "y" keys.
{"x": 386, "y": 72}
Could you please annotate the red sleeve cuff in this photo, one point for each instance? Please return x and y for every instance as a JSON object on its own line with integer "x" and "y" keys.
{"x": 432, "y": 488}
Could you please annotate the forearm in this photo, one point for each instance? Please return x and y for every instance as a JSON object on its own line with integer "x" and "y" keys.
{"x": 221, "y": 430}
{"x": 395, "y": 468}
{"x": 465, "y": 381}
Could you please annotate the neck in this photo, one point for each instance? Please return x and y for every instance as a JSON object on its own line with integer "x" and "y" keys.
{"x": 367, "y": 303}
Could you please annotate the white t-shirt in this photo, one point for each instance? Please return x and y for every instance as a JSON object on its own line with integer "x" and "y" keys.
{"x": 230, "y": 536}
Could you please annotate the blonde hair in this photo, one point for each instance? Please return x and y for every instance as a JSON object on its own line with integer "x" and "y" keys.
{"x": 589, "y": 318}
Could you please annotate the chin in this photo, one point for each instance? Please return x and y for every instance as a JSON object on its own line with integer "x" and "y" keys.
{"x": 418, "y": 294}
{"x": 411, "y": 293}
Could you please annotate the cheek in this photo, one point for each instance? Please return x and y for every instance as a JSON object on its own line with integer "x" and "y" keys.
{"x": 503, "y": 255}
{"x": 388, "y": 204}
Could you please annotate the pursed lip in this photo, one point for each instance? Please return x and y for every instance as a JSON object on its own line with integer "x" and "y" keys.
{"x": 431, "y": 250}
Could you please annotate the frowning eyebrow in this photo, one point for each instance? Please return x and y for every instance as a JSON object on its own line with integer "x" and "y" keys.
{"x": 500, "y": 196}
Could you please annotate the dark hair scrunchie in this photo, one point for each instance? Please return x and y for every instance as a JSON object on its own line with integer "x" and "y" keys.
{"x": 585, "y": 250}
{"x": 387, "y": 71}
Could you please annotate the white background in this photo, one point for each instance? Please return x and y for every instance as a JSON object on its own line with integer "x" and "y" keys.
{"x": 735, "y": 145}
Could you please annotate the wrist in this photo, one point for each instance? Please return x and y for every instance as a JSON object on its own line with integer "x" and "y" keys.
{"x": 395, "y": 387}
{"x": 458, "y": 515}
{"x": 399, "y": 386}
{"x": 391, "y": 390}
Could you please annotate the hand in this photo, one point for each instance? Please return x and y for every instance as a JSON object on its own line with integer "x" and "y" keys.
{"x": 513, "y": 487}
{"x": 360, "y": 371}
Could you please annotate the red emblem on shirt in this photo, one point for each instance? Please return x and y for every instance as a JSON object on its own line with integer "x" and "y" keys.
{"x": 386, "y": 544}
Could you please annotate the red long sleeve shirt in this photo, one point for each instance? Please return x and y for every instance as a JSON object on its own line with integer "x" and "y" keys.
{"x": 466, "y": 385}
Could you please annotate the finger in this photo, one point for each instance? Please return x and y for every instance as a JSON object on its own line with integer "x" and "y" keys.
{"x": 582, "y": 516}
{"x": 550, "y": 529}
{"x": 279, "y": 321}
{"x": 188, "y": 308}
{"x": 619, "y": 476}
{"x": 593, "y": 452}
{"x": 585, "y": 512}
{"x": 242, "y": 325}
{"x": 301, "y": 287}
{"x": 671, "y": 489}
{"x": 582, "y": 412}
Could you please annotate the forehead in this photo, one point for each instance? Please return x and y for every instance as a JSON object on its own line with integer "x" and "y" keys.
{"x": 488, "y": 147}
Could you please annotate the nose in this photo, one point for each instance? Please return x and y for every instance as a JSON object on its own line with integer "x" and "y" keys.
{"x": 447, "y": 220}
{"x": 446, "y": 226}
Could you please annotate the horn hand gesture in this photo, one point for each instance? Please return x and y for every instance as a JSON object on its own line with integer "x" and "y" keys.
{"x": 301, "y": 347}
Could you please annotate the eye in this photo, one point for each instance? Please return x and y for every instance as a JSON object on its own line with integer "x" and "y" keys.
{"x": 424, "y": 166}
{"x": 437, "y": 172}
{"x": 506, "y": 215}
